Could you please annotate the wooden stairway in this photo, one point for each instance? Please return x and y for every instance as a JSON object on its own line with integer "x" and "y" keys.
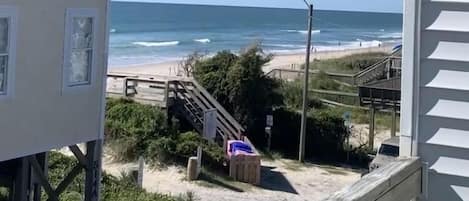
{"x": 191, "y": 100}
{"x": 384, "y": 69}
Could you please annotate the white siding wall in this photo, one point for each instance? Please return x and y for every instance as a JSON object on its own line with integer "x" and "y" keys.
{"x": 436, "y": 94}
{"x": 39, "y": 117}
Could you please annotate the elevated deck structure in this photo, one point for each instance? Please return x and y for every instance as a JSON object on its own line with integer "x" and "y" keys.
{"x": 434, "y": 109}
{"x": 53, "y": 64}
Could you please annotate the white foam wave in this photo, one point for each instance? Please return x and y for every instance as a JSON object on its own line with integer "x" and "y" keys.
{"x": 157, "y": 44}
{"x": 396, "y": 35}
{"x": 302, "y": 31}
{"x": 203, "y": 40}
{"x": 113, "y": 30}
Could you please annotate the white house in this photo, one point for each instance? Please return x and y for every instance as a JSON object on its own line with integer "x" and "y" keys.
{"x": 435, "y": 95}
{"x": 53, "y": 60}
{"x": 434, "y": 141}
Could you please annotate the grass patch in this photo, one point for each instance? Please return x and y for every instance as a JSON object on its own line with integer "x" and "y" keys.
{"x": 349, "y": 64}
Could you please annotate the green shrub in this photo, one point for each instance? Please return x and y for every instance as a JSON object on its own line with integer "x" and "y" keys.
{"x": 125, "y": 149}
{"x": 71, "y": 196}
{"x": 178, "y": 149}
{"x": 325, "y": 135}
{"x": 239, "y": 84}
{"x": 4, "y": 193}
{"x": 131, "y": 126}
{"x": 161, "y": 151}
{"x": 292, "y": 93}
{"x": 113, "y": 188}
{"x": 134, "y": 130}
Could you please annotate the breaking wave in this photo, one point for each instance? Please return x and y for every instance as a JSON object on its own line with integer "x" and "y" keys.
{"x": 203, "y": 40}
{"x": 157, "y": 44}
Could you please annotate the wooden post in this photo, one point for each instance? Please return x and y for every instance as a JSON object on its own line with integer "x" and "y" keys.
{"x": 35, "y": 185}
{"x": 199, "y": 160}
{"x": 388, "y": 66}
{"x": 19, "y": 190}
{"x": 192, "y": 169}
{"x": 393, "y": 121}
{"x": 166, "y": 93}
{"x": 124, "y": 87}
{"x": 93, "y": 170}
{"x": 371, "y": 136}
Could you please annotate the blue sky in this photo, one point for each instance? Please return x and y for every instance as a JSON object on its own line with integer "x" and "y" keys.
{"x": 353, "y": 5}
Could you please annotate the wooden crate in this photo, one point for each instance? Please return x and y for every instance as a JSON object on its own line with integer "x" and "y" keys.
{"x": 246, "y": 168}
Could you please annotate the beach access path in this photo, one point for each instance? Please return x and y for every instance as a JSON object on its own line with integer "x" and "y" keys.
{"x": 280, "y": 61}
{"x": 281, "y": 180}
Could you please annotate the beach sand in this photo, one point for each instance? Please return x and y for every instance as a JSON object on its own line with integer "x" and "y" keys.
{"x": 281, "y": 61}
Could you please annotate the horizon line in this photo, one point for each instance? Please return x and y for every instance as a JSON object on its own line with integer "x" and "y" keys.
{"x": 240, "y": 6}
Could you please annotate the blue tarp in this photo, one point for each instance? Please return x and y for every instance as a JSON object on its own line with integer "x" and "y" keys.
{"x": 240, "y": 146}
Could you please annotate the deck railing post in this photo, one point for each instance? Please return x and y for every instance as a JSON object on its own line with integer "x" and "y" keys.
{"x": 125, "y": 87}
{"x": 371, "y": 136}
{"x": 166, "y": 93}
{"x": 394, "y": 120}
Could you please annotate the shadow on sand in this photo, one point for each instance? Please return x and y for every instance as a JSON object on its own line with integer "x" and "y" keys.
{"x": 218, "y": 181}
{"x": 275, "y": 181}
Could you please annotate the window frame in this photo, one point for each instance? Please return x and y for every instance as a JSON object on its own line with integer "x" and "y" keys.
{"x": 72, "y": 13}
{"x": 11, "y": 13}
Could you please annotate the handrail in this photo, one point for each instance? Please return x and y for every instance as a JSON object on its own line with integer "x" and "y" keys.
{"x": 398, "y": 180}
{"x": 218, "y": 106}
{"x": 226, "y": 127}
{"x": 204, "y": 106}
{"x": 311, "y": 72}
{"x": 372, "y": 67}
{"x": 338, "y": 93}
{"x": 377, "y": 67}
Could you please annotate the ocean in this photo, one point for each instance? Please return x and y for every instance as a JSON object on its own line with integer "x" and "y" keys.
{"x": 143, "y": 33}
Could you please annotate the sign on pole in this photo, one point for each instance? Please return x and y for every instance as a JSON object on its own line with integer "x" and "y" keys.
{"x": 210, "y": 124}
{"x": 347, "y": 116}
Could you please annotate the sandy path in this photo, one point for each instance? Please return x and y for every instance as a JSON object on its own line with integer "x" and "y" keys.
{"x": 282, "y": 180}
{"x": 360, "y": 134}
{"x": 279, "y": 61}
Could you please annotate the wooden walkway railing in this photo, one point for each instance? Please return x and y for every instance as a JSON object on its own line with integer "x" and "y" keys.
{"x": 398, "y": 181}
{"x": 290, "y": 74}
{"x": 351, "y": 99}
{"x": 184, "y": 93}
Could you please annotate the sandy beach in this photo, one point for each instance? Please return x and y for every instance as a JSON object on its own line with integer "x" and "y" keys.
{"x": 280, "y": 61}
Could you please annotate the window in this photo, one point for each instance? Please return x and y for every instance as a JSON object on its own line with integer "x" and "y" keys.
{"x": 7, "y": 48}
{"x": 80, "y": 47}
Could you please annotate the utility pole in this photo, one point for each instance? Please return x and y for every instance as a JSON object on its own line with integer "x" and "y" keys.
{"x": 304, "y": 115}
